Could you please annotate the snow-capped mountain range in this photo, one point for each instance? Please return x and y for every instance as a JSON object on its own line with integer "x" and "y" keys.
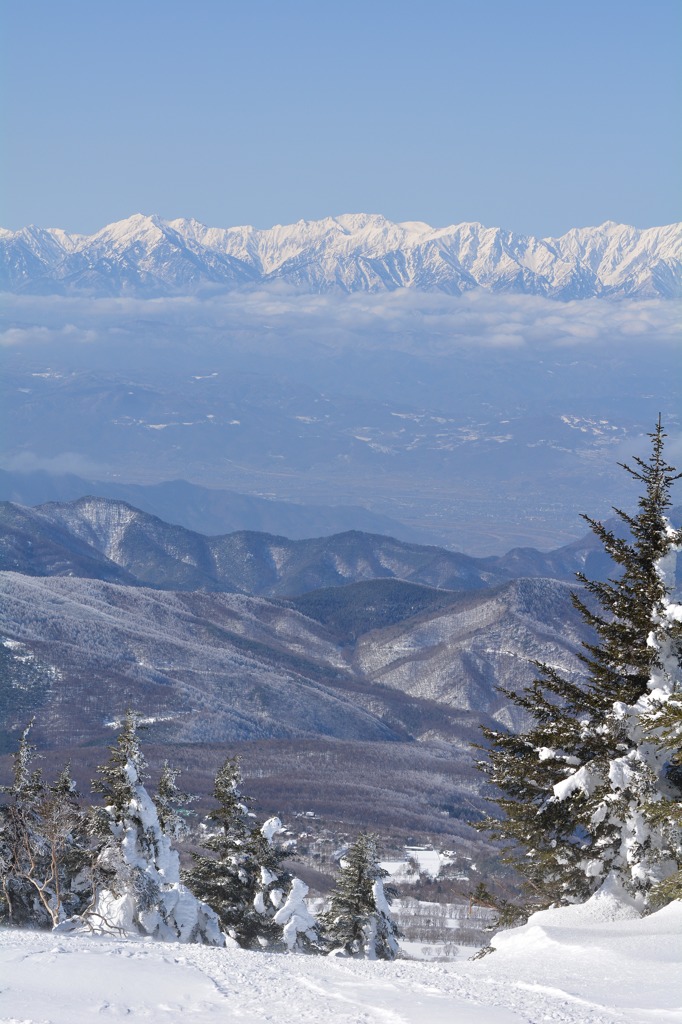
{"x": 148, "y": 256}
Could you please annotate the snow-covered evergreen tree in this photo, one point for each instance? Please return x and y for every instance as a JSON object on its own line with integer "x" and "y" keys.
{"x": 259, "y": 903}
{"x": 137, "y": 872}
{"x": 43, "y": 845}
{"x": 358, "y": 922}
{"x": 224, "y": 878}
{"x": 660, "y": 723}
{"x": 591, "y": 788}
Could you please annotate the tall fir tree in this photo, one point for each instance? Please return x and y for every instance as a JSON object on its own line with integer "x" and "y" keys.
{"x": 590, "y": 789}
{"x": 223, "y": 877}
{"x": 358, "y": 922}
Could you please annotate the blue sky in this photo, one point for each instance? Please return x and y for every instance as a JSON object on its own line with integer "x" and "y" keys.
{"x": 536, "y": 116}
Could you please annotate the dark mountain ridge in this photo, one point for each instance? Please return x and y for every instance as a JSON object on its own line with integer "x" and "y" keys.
{"x": 100, "y": 538}
{"x": 207, "y": 510}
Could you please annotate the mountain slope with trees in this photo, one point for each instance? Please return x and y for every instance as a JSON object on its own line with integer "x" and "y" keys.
{"x": 102, "y": 538}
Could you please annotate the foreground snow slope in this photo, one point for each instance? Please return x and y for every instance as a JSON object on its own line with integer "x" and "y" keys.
{"x": 595, "y": 964}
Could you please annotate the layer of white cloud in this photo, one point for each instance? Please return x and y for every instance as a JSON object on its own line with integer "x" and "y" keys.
{"x": 405, "y": 320}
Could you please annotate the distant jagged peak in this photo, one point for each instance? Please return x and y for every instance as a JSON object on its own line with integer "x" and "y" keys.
{"x": 358, "y": 221}
{"x": 141, "y": 226}
{"x": 611, "y": 231}
{"x": 350, "y": 223}
{"x": 147, "y": 255}
{"x": 188, "y": 225}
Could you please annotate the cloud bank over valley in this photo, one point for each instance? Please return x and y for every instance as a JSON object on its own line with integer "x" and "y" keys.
{"x": 483, "y": 419}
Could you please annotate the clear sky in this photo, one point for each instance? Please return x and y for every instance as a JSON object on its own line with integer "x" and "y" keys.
{"x": 536, "y": 115}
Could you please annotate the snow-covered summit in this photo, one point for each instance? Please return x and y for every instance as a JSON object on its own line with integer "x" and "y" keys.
{"x": 146, "y": 255}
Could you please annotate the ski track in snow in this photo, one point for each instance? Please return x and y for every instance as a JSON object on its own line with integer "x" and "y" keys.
{"x": 48, "y": 979}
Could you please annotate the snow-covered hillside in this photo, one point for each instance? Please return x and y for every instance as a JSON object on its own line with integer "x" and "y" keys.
{"x": 145, "y": 255}
{"x": 594, "y": 964}
{"x": 215, "y": 667}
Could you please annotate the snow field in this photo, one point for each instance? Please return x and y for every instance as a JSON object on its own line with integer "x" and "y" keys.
{"x": 75, "y": 980}
{"x": 597, "y": 963}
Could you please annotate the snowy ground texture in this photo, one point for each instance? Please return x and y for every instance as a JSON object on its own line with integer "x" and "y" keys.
{"x": 594, "y": 964}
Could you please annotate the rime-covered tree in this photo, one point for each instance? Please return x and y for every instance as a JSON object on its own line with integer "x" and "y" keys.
{"x": 358, "y": 922}
{"x": 300, "y": 930}
{"x": 590, "y": 788}
{"x": 242, "y": 878}
{"x": 280, "y": 896}
{"x": 137, "y": 872}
